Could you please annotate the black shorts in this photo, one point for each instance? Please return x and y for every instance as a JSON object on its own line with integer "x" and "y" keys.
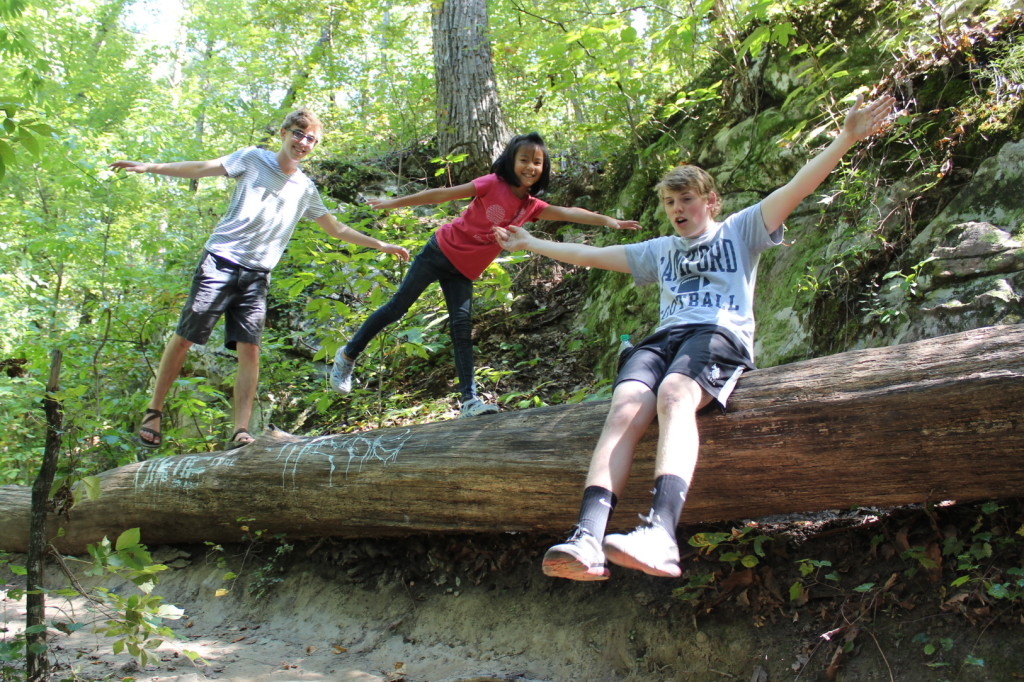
{"x": 708, "y": 354}
{"x": 220, "y": 287}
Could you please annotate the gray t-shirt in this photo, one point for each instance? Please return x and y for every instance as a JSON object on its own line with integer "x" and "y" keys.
{"x": 709, "y": 279}
{"x": 265, "y": 207}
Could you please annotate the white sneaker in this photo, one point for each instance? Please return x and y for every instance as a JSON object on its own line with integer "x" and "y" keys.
{"x": 647, "y": 548}
{"x": 341, "y": 372}
{"x": 475, "y": 407}
{"x": 578, "y": 558}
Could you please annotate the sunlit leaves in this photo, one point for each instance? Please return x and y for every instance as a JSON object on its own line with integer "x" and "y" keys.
{"x": 21, "y": 130}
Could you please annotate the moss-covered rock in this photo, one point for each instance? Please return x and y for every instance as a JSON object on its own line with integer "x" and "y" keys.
{"x": 916, "y": 234}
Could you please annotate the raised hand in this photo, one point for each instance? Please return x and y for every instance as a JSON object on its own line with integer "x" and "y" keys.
{"x": 130, "y": 166}
{"x": 381, "y": 204}
{"x": 864, "y": 120}
{"x": 626, "y": 225}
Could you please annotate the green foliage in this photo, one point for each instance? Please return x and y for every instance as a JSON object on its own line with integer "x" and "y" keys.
{"x": 738, "y": 550}
{"x": 269, "y": 551}
{"x": 25, "y": 132}
{"x": 977, "y": 558}
{"x": 135, "y": 622}
{"x": 12, "y": 647}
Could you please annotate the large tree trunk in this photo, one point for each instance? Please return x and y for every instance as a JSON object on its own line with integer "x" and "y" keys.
{"x": 469, "y": 118}
{"x": 928, "y": 421}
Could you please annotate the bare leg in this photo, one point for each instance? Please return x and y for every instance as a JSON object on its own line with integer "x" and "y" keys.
{"x": 170, "y": 367}
{"x": 632, "y": 409}
{"x": 652, "y": 546}
{"x": 245, "y": 386}
{"x": 679, "y": 400}
{"x": 580, "y": 557}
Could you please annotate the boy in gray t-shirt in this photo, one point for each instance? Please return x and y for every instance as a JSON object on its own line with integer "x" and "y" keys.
{"x": 271, "y": 195}
{"x": 704, "y": 341}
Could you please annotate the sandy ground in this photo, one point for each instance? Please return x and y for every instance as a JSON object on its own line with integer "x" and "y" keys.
{"x": 332, "y": 617}
{"x": 318, "y": 624}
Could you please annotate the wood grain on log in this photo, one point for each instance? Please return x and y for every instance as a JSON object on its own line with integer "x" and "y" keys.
{"x": 932, "y": 420}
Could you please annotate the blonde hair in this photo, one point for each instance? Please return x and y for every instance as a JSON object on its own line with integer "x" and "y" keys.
{"x": 303, "y": 119}
{"x": 690, "y": 178}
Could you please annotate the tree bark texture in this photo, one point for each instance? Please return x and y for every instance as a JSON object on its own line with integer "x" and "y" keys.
{"x": 939, "y": 419}
{"x": 36, "y": 659}
{"x": 469, "y": 118}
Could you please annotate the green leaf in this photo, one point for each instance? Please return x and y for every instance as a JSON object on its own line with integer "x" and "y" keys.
{"x": 6, "y": 153}
{"x": 29, "y": 142}
{"x": 91, "y": 484}
{"x": 129, "y": 538}
{"x": 40, "y": 129}
{"x": 998, "y": 590}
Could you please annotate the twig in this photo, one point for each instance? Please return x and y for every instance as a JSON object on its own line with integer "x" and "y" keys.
{"x": 882, "y": 654}
{"x": 71, "y": 576}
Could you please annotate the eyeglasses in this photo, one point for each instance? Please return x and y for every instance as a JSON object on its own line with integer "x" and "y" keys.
{"x": 303, "y": 137}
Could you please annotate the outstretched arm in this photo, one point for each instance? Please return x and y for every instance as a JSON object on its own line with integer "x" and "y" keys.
{"x": 176, "y": 169}
{"x": 862, "y": 121}
{"x": 573, "y": 214}
{"x": 341, "y": 231}
{"x": 435, "y": 195}
{"x": 515, "y": 238}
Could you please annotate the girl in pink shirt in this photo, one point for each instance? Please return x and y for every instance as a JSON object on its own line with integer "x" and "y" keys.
{"x": 461, "y": 250}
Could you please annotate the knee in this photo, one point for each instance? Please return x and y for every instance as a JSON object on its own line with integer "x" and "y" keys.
{"x": 679, "y": 392}
{"x": 461, "y": 326}
{"x": 628, "y": 399}
{"x": 248, "y": 353}
{"x": 392, "y": 311}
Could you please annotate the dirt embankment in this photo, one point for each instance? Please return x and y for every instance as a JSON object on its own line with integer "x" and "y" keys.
{"x": 461, "y": 608}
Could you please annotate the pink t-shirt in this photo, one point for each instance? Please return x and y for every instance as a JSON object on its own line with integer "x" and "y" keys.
{"x": 468, "y": 241}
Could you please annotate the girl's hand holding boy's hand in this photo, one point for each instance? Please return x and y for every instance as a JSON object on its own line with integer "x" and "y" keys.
{"x": 511, "y": 238}
{"x": 395, "y": 250}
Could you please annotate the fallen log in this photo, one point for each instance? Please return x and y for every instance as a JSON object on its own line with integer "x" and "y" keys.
{"x": 939, "y": 419}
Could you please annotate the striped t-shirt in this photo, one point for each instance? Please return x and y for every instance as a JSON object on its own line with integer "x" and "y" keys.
{"x": 265, "y": 207}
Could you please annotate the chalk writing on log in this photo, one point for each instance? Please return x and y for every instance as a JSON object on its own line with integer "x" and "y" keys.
{"x": 357, "y": 450}
{"x": 181, "y": 472}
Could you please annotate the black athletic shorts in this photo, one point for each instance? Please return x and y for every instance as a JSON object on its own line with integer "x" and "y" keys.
{"x": 220, "y": 287}
{"x": 706, "y": 353}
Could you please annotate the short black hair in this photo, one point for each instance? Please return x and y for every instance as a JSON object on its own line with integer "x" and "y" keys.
{"x": 505, "y": 165}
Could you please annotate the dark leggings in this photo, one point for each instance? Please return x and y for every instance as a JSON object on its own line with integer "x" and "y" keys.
{"x": 429, "y": 266}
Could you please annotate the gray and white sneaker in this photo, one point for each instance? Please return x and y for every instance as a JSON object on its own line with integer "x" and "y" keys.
{"x": 578, "y": 558}
{"x": 474, "y": 407}
{"x": 648, "y": 548}
{"x": 341, "y": 372}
